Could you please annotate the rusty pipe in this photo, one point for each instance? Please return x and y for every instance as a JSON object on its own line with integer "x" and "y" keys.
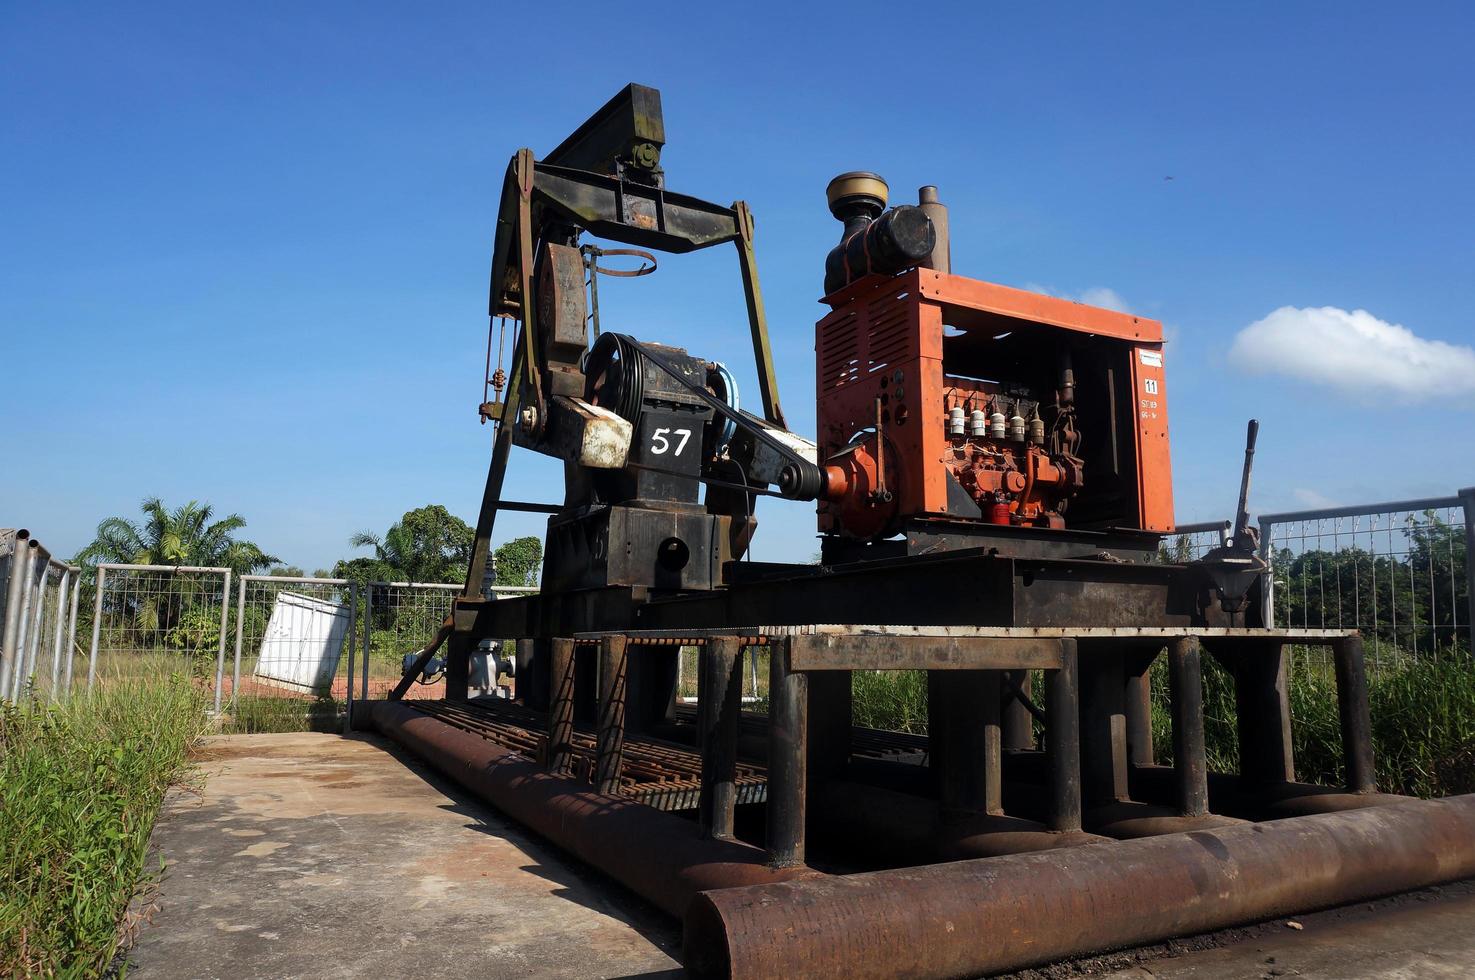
{"x": 658, "y": 855}
{"x": 995, "y": 914}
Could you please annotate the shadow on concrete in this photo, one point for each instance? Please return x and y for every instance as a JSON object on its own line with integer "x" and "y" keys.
{"x": 578, "y": 882}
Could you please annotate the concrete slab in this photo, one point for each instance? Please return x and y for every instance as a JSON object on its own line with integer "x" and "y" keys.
{"x": 312, "y": 855}
{"x": 1424, "y": 934}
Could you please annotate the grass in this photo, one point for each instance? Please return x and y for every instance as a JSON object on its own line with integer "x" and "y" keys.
{"x": 895, "y": 700}
{"x": 253, "y": 714}
{"x": 1423, "y": 715}
{"x": 81, "y": 782}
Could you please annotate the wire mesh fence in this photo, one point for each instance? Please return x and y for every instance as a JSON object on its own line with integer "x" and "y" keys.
{"x": 147, "y": 618}
{"x": 1397, "y": 572}
{"x": 1190, "y": 542}
{"x": 755, "y": 676}
{"x": 293, "y": 652}
{"x": 400, "y": 618}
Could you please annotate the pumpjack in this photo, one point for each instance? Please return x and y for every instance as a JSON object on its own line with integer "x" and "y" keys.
{"x": 992, "y": 483}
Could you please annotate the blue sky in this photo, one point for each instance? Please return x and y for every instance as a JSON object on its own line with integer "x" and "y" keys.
{"x": 245, "y": 247}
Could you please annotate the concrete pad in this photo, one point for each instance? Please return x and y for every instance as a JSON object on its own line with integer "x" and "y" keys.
{"x": 313, "y": 855}
{"x": 1424, "y": 934}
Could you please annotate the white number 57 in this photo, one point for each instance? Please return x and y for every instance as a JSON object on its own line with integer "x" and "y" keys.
{"x": 659, "y": 444}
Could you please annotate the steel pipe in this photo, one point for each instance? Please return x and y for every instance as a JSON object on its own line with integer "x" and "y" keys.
{"x": 1185, "y": 683}
{"x": 788, "y": 732}
{"x": 560, "y": 705}
{"x": 970, "y": 918}
{"x": 1352, "y": 709}
{"x": 660, "y": 856}
{"x": 610, "y": 735}
{"x": 1063, "y": 741}
{"x": 720, "y": 682}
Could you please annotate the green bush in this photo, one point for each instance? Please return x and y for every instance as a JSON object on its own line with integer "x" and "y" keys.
{"x": 80, "y": 785}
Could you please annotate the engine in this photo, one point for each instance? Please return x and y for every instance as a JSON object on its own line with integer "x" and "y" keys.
{"x": 952, "y": 411}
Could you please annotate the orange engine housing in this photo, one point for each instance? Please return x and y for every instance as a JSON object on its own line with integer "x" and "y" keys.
{"x": 898, "y": 357}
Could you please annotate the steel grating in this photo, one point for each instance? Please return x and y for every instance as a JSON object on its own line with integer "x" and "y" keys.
{"x": 657, "y": 773}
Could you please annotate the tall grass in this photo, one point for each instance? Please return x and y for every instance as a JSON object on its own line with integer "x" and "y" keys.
{"x": 895, "y": 700}
{"x": 80, "y": 785}
{"x": 253, "y": 714}
{"x": 1423, "y": 721}
{"x": 1423, "y": 715}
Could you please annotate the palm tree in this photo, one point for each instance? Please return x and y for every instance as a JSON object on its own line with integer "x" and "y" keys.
{"x": 427, "y": 544}
{"x": 183, "y": 536}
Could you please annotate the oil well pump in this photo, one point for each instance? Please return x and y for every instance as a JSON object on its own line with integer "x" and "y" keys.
{"x": 991, "y": 477}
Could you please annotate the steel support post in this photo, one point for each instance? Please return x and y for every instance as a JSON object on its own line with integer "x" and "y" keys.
{"x": 610, "y": 734}
{"x": 523, "y": 655}
{"x": 719, "y": 705}
{"x": 458, "y": 665}
{"x": 1185, "y": 686}
{"x": 1263, "y": 715}
{"x": 788, "y": 731}
{"x": 1103, "y": 728}
{"x": 1063, "y": 740}
{"x": 1139, "y": 708}
{"x": 561, "y": 706}
{"x": 969, "y": 735}
{"x": 1018, "y": 724}
{"x": 1352, "y": 709}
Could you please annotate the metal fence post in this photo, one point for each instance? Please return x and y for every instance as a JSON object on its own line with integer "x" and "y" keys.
{"x": 61, "y": 622}
{"x": 353, "y": 611}
{"x": 102, "y": 573}
{"x": 220, "y": 656}
{"x": 23, "y": 629}
{"x": 12, "y": 609}
{"x": 235, "y": 676}
{"x": 1267, "y": 594}
{"x": 1467, "y": 502}
{"x": 72, "y": 626}
{"x": 368, "y": 638}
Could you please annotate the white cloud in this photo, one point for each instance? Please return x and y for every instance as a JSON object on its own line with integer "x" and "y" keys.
{"x": 1094, "y": 296}
{"x": 1313, "y": 498}
{"x": 1355, "y": 352}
